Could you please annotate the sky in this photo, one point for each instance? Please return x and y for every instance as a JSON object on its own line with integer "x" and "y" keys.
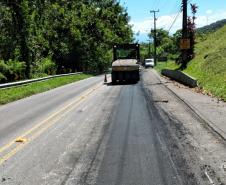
{"x": 209, "y": 11}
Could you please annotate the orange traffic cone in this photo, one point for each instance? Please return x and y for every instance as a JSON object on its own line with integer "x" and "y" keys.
{"x": 105, "y": 78}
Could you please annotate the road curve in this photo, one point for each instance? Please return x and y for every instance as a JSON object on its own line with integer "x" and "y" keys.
{"x": 85, "y": 133}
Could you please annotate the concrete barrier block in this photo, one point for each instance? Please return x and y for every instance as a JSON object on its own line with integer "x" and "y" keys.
{"x": 180, "y": 77}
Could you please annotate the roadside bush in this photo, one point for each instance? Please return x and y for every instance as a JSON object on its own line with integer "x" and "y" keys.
{"x": 173, "y": 56}
{"x": 44, "y": 67}
{"x": 3, "y": 66}
{"x": 16, "y": 70}
{"x": 3, "y": 71}
{"x": 2, "y": 78}
{"x": 11, "y": 70}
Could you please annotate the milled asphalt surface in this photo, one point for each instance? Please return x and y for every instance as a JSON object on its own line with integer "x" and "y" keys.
{"x": 210, "y": 108}
{"x": 188, "y": 113}
{"x": 114, "y": 135}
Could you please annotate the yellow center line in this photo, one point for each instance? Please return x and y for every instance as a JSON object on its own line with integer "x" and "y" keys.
{"x": 48, "y": 122}
{"x": 11, "y": 153}
{"x": 6, "y": 146}
{"x": 34, "y": 136}
{"x": 54, "y": 115}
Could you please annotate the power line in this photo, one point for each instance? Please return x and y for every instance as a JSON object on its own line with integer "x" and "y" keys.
{"x": 172, "y": 7}
{"x": 175, "y": 19}
{"x": 176, "y": 16}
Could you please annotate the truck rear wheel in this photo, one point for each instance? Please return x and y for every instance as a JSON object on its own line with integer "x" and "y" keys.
{"x": 135, "y": 76}
{"x": 113, "y": 78}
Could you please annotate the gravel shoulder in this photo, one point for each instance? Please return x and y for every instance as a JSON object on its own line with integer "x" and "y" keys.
{"x": 210, "y": 108}
{"x": 203, "y": 148}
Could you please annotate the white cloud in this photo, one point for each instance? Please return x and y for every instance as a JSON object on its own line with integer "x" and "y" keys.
{"x": 142, "y": 26}
{"x": 210, "y": 18}
{"x": 162, "y": 22}
{"x": 209, "y": 11}
{"x": 166, "y": 21}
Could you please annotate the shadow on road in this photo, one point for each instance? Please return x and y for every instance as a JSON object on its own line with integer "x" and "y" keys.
{"x": 120, "y": 83}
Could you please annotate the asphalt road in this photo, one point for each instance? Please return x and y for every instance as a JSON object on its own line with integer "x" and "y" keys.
{"x": 86, "y": 133}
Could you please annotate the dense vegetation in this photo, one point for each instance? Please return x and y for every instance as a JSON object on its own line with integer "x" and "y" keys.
{"x": 42, "y": 37}
{"x": 167, "y": 45}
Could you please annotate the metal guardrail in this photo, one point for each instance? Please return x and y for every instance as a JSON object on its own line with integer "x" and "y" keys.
{"x": 14, "y": 84}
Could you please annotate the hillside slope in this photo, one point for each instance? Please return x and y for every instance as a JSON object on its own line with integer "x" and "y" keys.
{"x": 209, "y": 65}
{"x": 212, "y": 27}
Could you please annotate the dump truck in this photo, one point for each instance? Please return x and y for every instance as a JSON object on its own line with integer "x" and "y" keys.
{"x": 125, "y": 66}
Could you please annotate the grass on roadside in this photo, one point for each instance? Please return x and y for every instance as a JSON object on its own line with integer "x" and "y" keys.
{"x": 16, "y": 93}
{"x": 165, "y": 65}
{"x": 209, "y": 65}
{"x": 211, "y": 83}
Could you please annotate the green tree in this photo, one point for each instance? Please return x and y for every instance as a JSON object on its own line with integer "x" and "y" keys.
{"x": 161, "y": 36}
{"x": 75, "y": 35}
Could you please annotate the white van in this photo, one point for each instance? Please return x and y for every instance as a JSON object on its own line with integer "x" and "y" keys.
{"x": 149, "y": 62}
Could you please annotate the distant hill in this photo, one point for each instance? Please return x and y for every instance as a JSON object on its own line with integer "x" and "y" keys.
{"x": 212, "y": 27}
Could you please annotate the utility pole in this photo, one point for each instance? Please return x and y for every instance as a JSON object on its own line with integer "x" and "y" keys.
{"x": 149, "y": 48}
{"x": 154, "y": 12}
{"x": 185, "y": 16}
{"x": 184, "y": 31}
